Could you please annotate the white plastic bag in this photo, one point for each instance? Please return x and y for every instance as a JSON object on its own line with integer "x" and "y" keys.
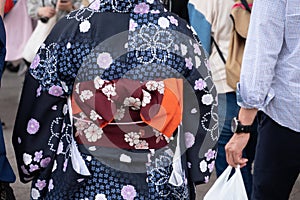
{"x": 224, "y": 189}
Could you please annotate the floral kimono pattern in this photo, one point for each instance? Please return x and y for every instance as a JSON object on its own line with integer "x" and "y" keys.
{"x": 117, "y": 104}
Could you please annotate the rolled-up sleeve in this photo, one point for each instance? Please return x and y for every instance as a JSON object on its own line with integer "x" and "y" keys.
{"x": 263, "y": 45}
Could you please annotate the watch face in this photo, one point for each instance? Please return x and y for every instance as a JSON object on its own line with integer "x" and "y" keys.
{"x": 234, "y": 124}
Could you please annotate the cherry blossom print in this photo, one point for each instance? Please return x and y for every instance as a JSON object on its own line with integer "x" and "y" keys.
{"x": 211, "y": 166}
{"x": 120, "y": 113}
{"x": 132, "y": 25}
{"x": 50, "y": 186}
{"x": 188, "y": 63}
{"x": 200, "y": 84}
{"x": 163, "y": 22}
{"x": 27, "y": 158}
{"x": 197, "y": 49}
{"x": 100, "y": 197}
{"x": 45, "y": 162}
{"x": 93, "y": 133}
{"x": 84, "y": 26}
{"x": 95, "y": 5}
{"x": 33, "y": 126}
{"x": 94, "y": 116}
{"x": 146, "y": 98}
{"x": 104, "y": 60}
{"x": 173, "y": 20}
{"x": 128, "y": 192}
{"x": 35, "y": 63}
{"x": 189, "y": 140}
{"x": 133, "y": 103}
{"x": 81, "y": 126}
{"x": 207, "y": 99}
{"x": 33, "y": 168}
{"x": 86, "y": 95}
{"x": 197, "y": 62}
{"x": 40, "y": 184}
{"x": 183, "y": 49}
{"x": 56, "y": 90}
{"x": 161, "y": 87}
{"x": 35, "y": 194}
{"x": 38, "y": 91}
{"x": 142, "y": 145}
{"x": 132, "y": 138}
{"x": 151, "y": 85}
{"x": 38, "y": 156}
{"x": 210, "y": 154}
{"x": 109, "y": 91}
{"x": 98, "y": 82}
{"x": 203, "y": 166}
{"x": 141, "y": 8}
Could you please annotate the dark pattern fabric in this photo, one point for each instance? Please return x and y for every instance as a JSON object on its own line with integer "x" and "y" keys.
{"x": 110, "y": 40}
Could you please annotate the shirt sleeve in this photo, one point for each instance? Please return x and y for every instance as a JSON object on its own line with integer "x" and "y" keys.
{"x": 200, "y": 16}
{"x": 263, "y": 45}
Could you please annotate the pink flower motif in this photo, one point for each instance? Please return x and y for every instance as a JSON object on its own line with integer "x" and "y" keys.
{"x": 189, "y": 140}
{"x": 38, "y": 91}
{"x": 95, "y": 5}
{"x": 56, "y": 90}
{"x": 132, "y": 25}
{"x": 128, "y": 192}
{"x": 33, "y": 168}
{"x": 200, "y": 84}
{"x": 173, "y": 20}
{"x": 40, "y": 184}
{"x": 197, "y": 49}
{"x": 33, "y": 126}
{"x": 104, "y": 60}
{"x": 188, "y": 63}
{"x": 141, "y": 8}
{"x": 35, "y": 62}
{"x": 38, "y": 155}
{"x": 211, "y": 166}
{"x": 210, "y": 154}
{"x": 45, "y": 162}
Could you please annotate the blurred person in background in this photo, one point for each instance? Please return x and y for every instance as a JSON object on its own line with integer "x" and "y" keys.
{"x": 6, "y": 173}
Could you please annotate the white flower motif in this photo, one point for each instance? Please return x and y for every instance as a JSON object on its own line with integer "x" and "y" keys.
{"x": 132, "y": 138}
{"x": 146, "y": 98}
{"x": 197, "y": 61}
{"x": 189, "y": 140}
{"x": 94, "y": 116}
{"x": 80, "y": 126}
{"x": 132, "y": 102}
{"x": 161, "y": 87}
{"x": 85, "y": 95}
{"x": 194, "y": 111}
{"x": 84, "y": 26}
{"x": 27, "y": 158}
{"x": 100, "y": 197}
{"x": 35, "y": 194}
{"x": 77, "y": 88}
{"x": 93, "y": 133}
{"x": 104, "y": 60}
{"x": 203, "y": 166}
{"x": 125, "y": 158}
{"x": 120, "y": 113}
{"x": 151, "y": 85}
{"x": 163, "y": 22}
{"x": 183, "y": 49}
{"x": 207, "y": 99}
{"x": 142, "y": 145}
{"x": 98, "y": 82}
{"x": 109, "y": 91}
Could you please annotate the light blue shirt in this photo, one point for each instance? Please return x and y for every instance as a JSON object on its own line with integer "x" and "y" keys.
{"x": 270, "y": 76}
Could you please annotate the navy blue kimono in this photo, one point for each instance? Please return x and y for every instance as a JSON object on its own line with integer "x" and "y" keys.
{"x": 118, "y": 104}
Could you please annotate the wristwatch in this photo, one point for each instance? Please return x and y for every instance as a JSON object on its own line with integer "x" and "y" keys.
{"x": 237, "y": 127}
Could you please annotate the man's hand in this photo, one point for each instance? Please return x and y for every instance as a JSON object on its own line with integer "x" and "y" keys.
{"x": 238, "y": 142}
{"x": 46, "y": 12}
{"x": 65, "y": 5}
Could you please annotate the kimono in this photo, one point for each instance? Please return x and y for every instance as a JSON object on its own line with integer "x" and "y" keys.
{"x": 118, "y": 104}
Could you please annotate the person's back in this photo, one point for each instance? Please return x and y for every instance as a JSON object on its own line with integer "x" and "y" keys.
{"x": 135, "y": 81}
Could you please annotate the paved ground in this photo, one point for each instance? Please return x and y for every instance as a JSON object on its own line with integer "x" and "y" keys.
{"x": 9, "y": 97}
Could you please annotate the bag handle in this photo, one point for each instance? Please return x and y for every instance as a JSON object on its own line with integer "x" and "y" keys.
{"x": 219, "y": 50}
{"x": 246, "y": 5}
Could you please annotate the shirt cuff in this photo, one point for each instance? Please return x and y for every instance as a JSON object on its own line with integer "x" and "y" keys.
{"x": 251, "y": 105}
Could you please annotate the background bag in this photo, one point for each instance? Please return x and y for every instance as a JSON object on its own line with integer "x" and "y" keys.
{"x": 224, "y": 189}
{"x": 240, "y": 15}
{"x": 37, "y": 37}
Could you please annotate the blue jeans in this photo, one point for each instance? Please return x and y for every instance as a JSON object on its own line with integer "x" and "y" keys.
{"x": 228, "y": 109}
